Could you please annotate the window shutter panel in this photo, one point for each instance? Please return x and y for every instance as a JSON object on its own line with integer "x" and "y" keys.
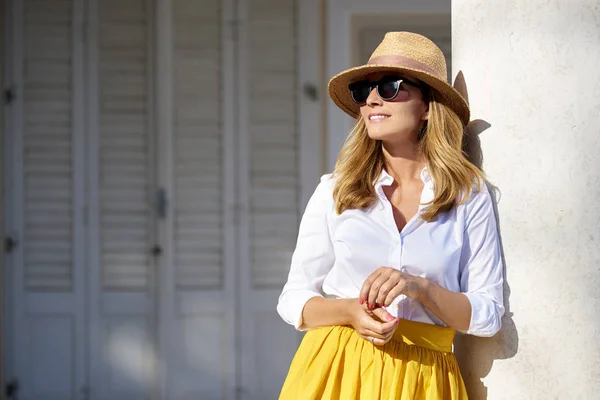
{"x": 125, "y": 142}
{"x": 274, "y": 139}
{"x": 198, "y": 141}
{"x": 47, "y": 145}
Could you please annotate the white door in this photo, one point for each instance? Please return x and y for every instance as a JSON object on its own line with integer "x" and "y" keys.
{"x": 161, "y": 188}
{"x": 155, "y": 179}
{"x": 269, "y": 169}
{"x": 196, "y": 95}
{"x": 121, "y": 189}
{"x": 45, "y": 272}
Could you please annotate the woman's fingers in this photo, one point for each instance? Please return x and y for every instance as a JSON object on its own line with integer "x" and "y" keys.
{"x": 369, "y": 333}
{"x": 374, "y": 291}
{"x": 393, "y": 294}
{"x": 383, "y": 314}
{"x": 366, "y": 287}
{"x": 369, "y": 326}
{"x": 394, "y": 281}
{"x": 379, "y": 340}
{"x": 376, "y": 326}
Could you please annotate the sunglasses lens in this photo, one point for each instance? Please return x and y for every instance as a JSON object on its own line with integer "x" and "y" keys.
{"x": 388, "y": 89}
{"x": 360, "y": 91}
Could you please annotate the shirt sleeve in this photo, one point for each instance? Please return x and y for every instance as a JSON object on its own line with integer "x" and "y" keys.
{"x": 312, "y": 259}
{"x": 481, "y": 269}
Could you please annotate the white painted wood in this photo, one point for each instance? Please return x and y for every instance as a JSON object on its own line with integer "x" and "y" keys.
{"x": 97, "y": 330}
{"x": 270, "y": 165}
{"x": 197, "y": 145}
{"x": 196, "y": 158}
{"x": 123, "y": 349}
{"x": 47, "y": 307}
{"x": 3, "y": 295}
{"x": 12, "y": 123}
{"x": 155, "y": 103}
{"x": 310, "y": 117}
{"x": 47, "y": 150}
{"x": 125, "y": 134}
{"x": 164, "y": 122}
{"x": 340, "y": 16}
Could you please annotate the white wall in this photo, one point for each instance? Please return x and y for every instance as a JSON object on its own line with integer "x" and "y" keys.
{"x": 339, "y": 51}
{"x": 531, "y": 68}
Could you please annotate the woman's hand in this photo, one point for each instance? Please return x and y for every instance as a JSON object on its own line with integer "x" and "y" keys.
{"x": 377, "y": 326}
{"x": 385, "y": 284}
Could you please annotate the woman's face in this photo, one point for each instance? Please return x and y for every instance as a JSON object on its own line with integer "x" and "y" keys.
{"x": 396, "y": 120}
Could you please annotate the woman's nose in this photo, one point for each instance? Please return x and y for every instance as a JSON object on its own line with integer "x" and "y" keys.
{"x": 374, "y": 99}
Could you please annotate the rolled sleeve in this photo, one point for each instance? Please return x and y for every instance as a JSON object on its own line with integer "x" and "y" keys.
{"x": 312, "y": 259}
{"x": 481, "y": 275}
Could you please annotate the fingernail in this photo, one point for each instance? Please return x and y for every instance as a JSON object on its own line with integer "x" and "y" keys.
{"x": 390, "y": 318}
{"x": 361, "y": 301}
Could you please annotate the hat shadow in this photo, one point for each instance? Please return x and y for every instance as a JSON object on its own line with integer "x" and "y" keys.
{"x": 476, "y": 355}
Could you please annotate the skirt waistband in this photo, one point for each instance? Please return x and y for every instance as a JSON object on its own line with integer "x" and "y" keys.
{"x": 420, "y": 334}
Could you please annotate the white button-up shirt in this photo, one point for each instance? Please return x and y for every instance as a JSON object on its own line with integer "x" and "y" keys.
{"x": 459, "y": 250}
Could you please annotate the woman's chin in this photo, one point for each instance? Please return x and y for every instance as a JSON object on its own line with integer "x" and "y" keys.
{"x": 392, "y": 134}
{"x": 384, "y": 135}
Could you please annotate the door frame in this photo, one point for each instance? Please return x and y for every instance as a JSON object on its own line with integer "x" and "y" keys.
{"x": 3, "y": 35}
{"x": 11, "y": 114}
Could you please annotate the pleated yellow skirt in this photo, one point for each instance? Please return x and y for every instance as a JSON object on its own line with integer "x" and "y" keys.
{"x": 336, "y": 363}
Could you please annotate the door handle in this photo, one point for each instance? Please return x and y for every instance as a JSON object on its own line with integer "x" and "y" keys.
{"x": 161, "y": 203}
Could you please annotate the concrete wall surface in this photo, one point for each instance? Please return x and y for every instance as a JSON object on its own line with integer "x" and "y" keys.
{"x": 533, "y": 81}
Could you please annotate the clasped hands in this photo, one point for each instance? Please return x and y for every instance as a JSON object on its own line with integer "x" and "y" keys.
{"x": 368, "y": 317}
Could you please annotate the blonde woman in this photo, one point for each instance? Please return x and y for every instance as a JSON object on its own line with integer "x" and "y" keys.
{"x": 398, "y": 248}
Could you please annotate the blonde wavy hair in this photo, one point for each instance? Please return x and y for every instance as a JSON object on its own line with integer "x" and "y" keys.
{"x": 361, "y": 160}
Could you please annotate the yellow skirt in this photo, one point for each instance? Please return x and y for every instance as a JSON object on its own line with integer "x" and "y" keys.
{"x": 336, "y": 363}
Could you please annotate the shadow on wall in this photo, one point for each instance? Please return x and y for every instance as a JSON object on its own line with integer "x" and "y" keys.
{"x": 476, "y": 355}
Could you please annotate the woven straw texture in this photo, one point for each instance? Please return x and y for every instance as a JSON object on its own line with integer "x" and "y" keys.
{"x": 405, "y": 53}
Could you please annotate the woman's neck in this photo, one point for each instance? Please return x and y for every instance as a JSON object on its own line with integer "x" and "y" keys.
{"x": 403, "y": 162}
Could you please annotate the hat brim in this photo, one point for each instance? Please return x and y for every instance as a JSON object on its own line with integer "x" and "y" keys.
{"x": 340, "y": 94}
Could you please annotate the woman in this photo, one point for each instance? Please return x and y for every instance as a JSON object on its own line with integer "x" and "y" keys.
{"x": 398, "y": 248}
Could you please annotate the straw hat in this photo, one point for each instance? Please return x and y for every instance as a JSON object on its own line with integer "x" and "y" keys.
{"x": 402, "y": 52}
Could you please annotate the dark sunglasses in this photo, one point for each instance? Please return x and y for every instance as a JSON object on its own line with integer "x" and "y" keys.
{"x": 388, "y": 88}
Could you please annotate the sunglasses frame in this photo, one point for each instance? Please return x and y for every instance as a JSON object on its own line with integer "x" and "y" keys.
{"x": 384, "y": 79}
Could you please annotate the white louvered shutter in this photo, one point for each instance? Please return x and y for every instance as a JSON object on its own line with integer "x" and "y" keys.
{"x": 202, "y": 348}
{"x": 47, "y": 145}
{"x": 126, "y": 226}
{"x": 198, "y": 141}
{"x": 46, "y": 267}
{"x": 271, "y": 170}
{"x": 274, "y": 144}
{"x": 123, "y": 345}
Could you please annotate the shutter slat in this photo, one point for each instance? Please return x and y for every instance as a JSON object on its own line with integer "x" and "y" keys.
{"x": 47, "y": 138}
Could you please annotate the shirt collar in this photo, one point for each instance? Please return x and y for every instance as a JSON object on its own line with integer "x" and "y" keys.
{"x": 385, "y": 179}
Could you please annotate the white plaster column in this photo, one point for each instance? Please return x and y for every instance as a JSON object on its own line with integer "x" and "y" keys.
{"x": 532, "y": 70}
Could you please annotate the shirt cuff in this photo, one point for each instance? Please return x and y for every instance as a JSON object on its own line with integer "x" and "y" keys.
{"x": 486, "y": 315}
{"x": 291, "y": 305}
